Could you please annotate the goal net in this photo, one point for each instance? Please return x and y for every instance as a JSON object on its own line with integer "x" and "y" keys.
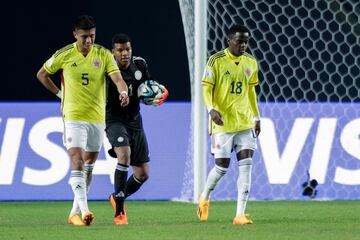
{"x": 308, "y": 54}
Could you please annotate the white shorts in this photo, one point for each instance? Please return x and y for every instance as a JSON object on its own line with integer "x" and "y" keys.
{"x": 88, "y": 136}
{"x": 222, "y": 144}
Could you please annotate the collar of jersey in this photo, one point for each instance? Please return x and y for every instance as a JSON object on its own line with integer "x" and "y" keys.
{"x": 232, "y": 57}
{"x": 75, "y": 46}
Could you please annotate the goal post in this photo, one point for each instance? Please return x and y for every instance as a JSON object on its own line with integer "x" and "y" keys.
{"x": 194, "y": 18}
{"x": 200, "y": 142}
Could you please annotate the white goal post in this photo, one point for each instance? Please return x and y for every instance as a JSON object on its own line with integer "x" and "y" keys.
{"x": 200, "y": 142}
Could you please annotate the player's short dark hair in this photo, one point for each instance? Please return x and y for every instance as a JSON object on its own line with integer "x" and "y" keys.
{"x": 84, "y": 22}
{"x": 120, "y": 38}
{"x": 237, "y": 28}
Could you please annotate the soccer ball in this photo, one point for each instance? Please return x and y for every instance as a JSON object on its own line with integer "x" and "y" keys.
{"x": 149, "y": 90}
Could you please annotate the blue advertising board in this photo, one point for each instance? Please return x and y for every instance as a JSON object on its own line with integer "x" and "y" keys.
{"x": 296, "y": 138}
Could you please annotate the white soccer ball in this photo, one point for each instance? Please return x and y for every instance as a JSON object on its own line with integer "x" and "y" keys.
{"x": 149, "y": 90}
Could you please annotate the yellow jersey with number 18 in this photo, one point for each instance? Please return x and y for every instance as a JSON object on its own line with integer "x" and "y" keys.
{"x": 230, "y": 78}
{"x": 83, "y": 81}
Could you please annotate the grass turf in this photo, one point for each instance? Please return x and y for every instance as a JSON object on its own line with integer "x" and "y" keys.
{"x": 176, "y": 220}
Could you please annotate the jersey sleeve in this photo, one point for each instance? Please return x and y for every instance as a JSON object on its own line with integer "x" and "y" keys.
{"x": 53, "y": 64}
{"x": 110, "y": 64}
{"x": 143, "y": 66}
{"x": 254, "y": 80}
{"x": 209, "y": 73}
{"x": 253, "y": 102}
{"x": 208, "y": 83}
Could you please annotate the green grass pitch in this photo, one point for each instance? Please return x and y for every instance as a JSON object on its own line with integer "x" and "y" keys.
{"x": 176, "y": 220}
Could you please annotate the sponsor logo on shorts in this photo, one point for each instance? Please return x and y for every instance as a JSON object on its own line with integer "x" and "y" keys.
{"x": 120, "y": 139}
{"x": 69, "y": 139}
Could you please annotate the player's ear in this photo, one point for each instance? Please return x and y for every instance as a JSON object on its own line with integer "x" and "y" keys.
{"x": 74, "y": 34}
{"x": 228, "y": 40}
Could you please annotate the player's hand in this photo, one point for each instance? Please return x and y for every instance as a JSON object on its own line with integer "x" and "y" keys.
{"x": 216, "y": 117}
{"x": 161, "y": 98}
{"x": 124, "y": 99}
{"x": 257, "y": 128}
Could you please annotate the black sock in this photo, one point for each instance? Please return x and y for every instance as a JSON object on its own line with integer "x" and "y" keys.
{"x": 121, "y": 173}
{"x": 133, "y": 184}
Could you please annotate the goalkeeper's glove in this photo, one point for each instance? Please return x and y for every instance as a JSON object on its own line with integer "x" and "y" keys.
{"x": 158, "y": 100}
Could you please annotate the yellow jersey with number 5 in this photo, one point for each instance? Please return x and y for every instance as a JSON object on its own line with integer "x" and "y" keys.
{"x": 83, "y": 81}
{"x": 231, "y": 78}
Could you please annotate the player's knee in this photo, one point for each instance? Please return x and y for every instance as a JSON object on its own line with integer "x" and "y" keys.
{"x": 245, "y": 153}
{"x": 76, "y": 160}
{"x": 222, "y": 165}
{"x": 142, "y": 177}
{"x": 123, "y": 156}
{"x": 75, "y": 154}
{"x": 222, "y": 162}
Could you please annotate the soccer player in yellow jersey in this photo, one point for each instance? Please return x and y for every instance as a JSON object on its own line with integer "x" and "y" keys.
{"x": 83, "y": 66}
{"x": 229, "y": 94}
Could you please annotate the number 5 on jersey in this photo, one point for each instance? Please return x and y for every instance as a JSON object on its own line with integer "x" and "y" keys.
{"x": 85, "y": 79}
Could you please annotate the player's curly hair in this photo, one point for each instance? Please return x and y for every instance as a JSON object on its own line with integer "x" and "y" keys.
{"x": 84, "y": 22}
{"x": 120, "y": 38}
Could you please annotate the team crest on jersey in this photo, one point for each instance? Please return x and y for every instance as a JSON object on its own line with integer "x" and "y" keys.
{"x": 97, "y": 63}
{"x": 247, "y": 72}
{"x": 138, "y": 75}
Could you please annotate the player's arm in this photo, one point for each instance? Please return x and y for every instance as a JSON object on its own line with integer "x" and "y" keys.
{"x": 207, "y": 91}
{"x": 121, "y": 87}
{"x": 207, "y": 94}
{"x": 254, "y": 108}
{"x": 44, "y": 77}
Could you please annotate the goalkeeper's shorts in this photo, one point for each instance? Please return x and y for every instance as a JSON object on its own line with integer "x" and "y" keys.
{"x": 121, "y": 135}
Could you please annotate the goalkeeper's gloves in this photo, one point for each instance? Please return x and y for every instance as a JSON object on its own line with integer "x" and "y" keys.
{"x": 158, "y": 100}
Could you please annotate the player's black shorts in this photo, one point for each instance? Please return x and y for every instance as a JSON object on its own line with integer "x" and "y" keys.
{"x": 120, "y": 135}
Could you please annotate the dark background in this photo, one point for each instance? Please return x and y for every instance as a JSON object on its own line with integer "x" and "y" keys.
{"x": 33, "y": 30}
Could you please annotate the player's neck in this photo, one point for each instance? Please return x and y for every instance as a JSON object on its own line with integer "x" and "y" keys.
{"x": 83, "y": 51}
{"x": 233, "y": 55}
{"x": 124, "y": 66}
